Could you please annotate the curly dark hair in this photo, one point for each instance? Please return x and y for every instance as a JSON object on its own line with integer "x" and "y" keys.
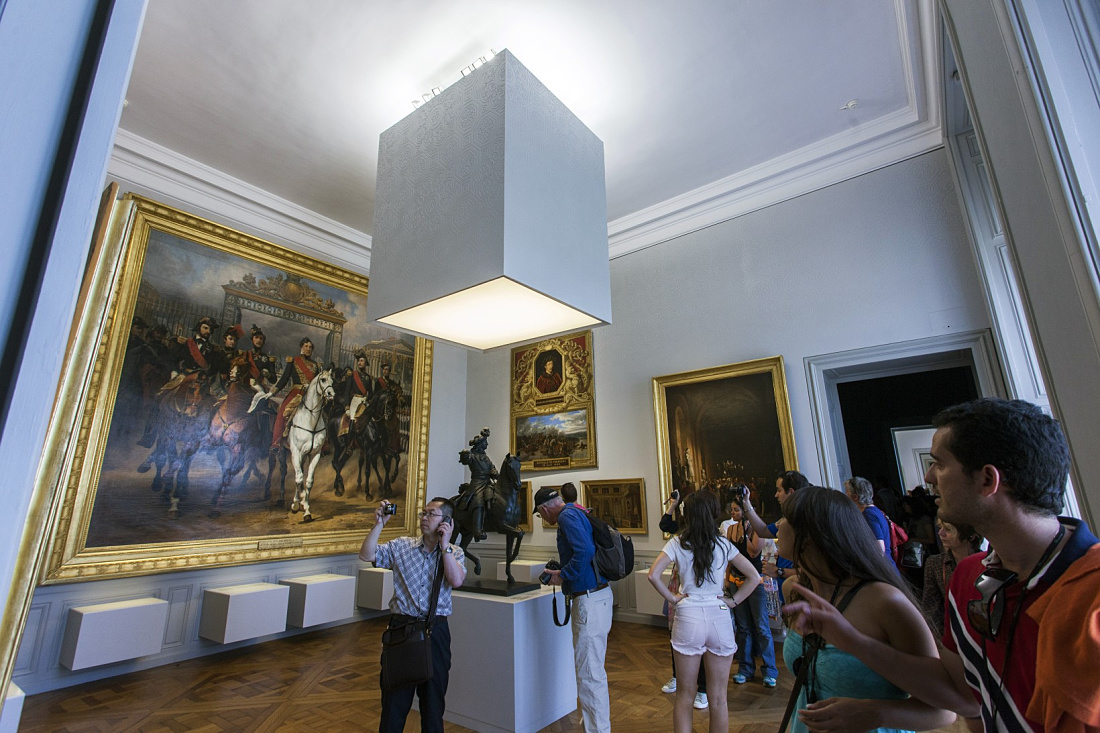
{"x": 699, "y": 532}
{"x": 1024, "y": 444}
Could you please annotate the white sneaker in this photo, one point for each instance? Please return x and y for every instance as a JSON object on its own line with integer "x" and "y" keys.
{"x": 669, "y": 687}
{"x": 701, "y": 702}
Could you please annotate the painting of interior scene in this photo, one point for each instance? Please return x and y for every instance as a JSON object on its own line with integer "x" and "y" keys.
{"x": 723, "y": 433}
{"x": 222, "y": 354}
{"x": 619, "y": 503}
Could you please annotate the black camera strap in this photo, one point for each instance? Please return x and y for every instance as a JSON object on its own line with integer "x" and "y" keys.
{"x": 554, "y": 602}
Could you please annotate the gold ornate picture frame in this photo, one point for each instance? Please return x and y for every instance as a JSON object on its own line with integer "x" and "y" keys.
{"x": 553, "y": 415}
{"x": 160, "y": 273}
{"x": 723, "y": 426}
{"x": 619, "y": 502}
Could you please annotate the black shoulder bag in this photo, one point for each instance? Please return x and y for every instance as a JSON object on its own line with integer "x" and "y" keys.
{"x": 809, "y": 656}
{"x": 407, "y": 648}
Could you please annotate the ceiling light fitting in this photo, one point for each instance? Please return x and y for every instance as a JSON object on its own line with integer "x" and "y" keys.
{"x": 490, "y": 223}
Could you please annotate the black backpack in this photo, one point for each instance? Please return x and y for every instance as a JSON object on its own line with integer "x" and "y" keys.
{"x": 614, "y": 558}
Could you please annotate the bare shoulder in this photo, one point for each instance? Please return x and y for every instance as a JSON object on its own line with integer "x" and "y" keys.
{"x": 884, "y": 612}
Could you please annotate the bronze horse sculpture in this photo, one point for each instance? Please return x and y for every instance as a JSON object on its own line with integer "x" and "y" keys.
{"x": 499, "y": 499}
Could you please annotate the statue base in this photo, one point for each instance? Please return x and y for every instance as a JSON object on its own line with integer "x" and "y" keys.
{"x": 489, "y": 587}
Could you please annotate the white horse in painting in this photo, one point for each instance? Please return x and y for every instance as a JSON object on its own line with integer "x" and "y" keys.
{"x": 305, "y": 439}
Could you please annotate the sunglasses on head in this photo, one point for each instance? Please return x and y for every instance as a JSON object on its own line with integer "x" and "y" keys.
{"x": 986, "y": 613}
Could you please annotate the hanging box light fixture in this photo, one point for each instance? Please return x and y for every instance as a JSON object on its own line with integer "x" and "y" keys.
{"x": 490, "y": 224}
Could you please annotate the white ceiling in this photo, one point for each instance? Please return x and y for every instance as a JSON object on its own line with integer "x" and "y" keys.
{"x": 706, "y": 108}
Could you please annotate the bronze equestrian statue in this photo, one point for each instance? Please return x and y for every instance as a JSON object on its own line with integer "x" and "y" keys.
{"x": 490, "y": 501}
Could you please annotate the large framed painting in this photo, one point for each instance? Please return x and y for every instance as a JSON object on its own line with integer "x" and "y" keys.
{"x": 213, "y": 360}
{"x": 725, "y": 426}
{"x": 553, "y": 415}
{"x": 619, "y": 502}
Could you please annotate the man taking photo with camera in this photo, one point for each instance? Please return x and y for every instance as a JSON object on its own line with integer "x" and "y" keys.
{"x": 414, "y": 562}
{"x": 592, "y": 603}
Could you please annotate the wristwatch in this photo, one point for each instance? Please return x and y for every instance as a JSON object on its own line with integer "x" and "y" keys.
{"x": 450, "y": 550}
{"x": 780, "y": 572}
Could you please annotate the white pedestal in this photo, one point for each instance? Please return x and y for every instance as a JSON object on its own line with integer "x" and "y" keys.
{"x": 512, "y": 668}
{"x": 375, "y": 589}
{"x": 13, "y": 709}
{"x": 522, "y": 570}
{"x": 646, "y": 597}
{"x": 111, "y": 632}
{"x": 246, "y": 611}
{"x": 319, "y": 599}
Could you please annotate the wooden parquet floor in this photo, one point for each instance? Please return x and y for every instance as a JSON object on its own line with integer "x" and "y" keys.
{"x": 327, "y": 682}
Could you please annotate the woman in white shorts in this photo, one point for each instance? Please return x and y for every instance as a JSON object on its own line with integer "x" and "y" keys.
{"x": 702, "y": 631}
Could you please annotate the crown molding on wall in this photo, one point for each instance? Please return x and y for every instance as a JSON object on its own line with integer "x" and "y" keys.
{"x": 152, "y": 170}
{"x": 910, "y": 131}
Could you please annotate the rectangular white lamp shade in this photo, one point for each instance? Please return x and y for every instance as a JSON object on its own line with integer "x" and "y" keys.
{"x": 490, "y": 215}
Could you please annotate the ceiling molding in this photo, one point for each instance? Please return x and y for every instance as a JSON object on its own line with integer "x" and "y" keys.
{"x": 908, "y": 132}
{"x": 152, "y": 170}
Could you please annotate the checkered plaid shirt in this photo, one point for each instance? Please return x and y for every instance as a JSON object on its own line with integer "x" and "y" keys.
{"x": 413, "y": 575}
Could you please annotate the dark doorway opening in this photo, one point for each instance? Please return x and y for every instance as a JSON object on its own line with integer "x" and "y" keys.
{"x": 870, "y": 408}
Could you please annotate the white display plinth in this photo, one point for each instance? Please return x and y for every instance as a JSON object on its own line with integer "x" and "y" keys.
{"x": 112, "y": 632}
{"x": 238, "y": 612}
{"x": 319, "y": 599}
{"x": 13, "y": 709}
{"x": 646, "y": 597}
{"x": 512, "y": 668}
{"x": 524, "y": 571}
{"x": 375, "y": 589}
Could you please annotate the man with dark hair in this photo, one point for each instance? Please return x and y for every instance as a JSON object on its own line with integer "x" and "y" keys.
{"x": 1020, "y": 643}
{"x": 570, "y": 495}
{"x": 414, "y": 562}
{"x": 357, "y": 389}
{"x": 785, "y": 485}
{"x": 194, "y": 354}
{"x": 592, "y": 604}
{"x": 299, "y": 373}
{"x": 222, "y": 357}
{"x": 261, "y": 367}
{"x": 862, "y": 494}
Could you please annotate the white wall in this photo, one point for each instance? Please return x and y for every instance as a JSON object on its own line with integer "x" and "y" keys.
{"x": 877, "y": 259}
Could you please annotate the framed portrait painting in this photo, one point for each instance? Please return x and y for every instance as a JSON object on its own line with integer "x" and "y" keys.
{"x": 619, "y": 502}
{"x": 209, "y": 354}
{"x": 724, "y": 426}
{"x": 553, "y": 417}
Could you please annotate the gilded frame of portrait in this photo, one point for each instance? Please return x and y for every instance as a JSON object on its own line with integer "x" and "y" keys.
{"x": 105, "y": 521}
{"x": 723, "y": 425}
{"x": 553, "y": 407}
{"x": 526, "y": 498}
{"x": 619, "y": 502}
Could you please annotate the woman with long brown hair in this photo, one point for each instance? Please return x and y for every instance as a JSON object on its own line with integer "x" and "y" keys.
{"x": 839, "y": 559}
{"x": 702, "y": 632}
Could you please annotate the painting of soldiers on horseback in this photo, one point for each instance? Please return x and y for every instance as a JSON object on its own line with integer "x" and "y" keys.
{"x": 249, "y": 399}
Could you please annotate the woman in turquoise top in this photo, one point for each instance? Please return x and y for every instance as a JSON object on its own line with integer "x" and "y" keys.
{"x": 838, "y": 557}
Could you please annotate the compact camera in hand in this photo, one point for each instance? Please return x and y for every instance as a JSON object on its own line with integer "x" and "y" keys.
{"x": 389, "y": 509}
{"x": 546, "y": 577}
{"x": 740, "y": 493}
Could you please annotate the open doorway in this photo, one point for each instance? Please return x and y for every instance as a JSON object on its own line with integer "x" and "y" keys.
{"x": 860, "y": 396}
{"x": 887, "y": 422}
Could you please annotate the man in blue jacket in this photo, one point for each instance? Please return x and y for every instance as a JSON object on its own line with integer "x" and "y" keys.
{"x": 592, "y": 603}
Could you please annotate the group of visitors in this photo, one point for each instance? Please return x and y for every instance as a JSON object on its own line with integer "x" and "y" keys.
{"x": 1006, "y": 638}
